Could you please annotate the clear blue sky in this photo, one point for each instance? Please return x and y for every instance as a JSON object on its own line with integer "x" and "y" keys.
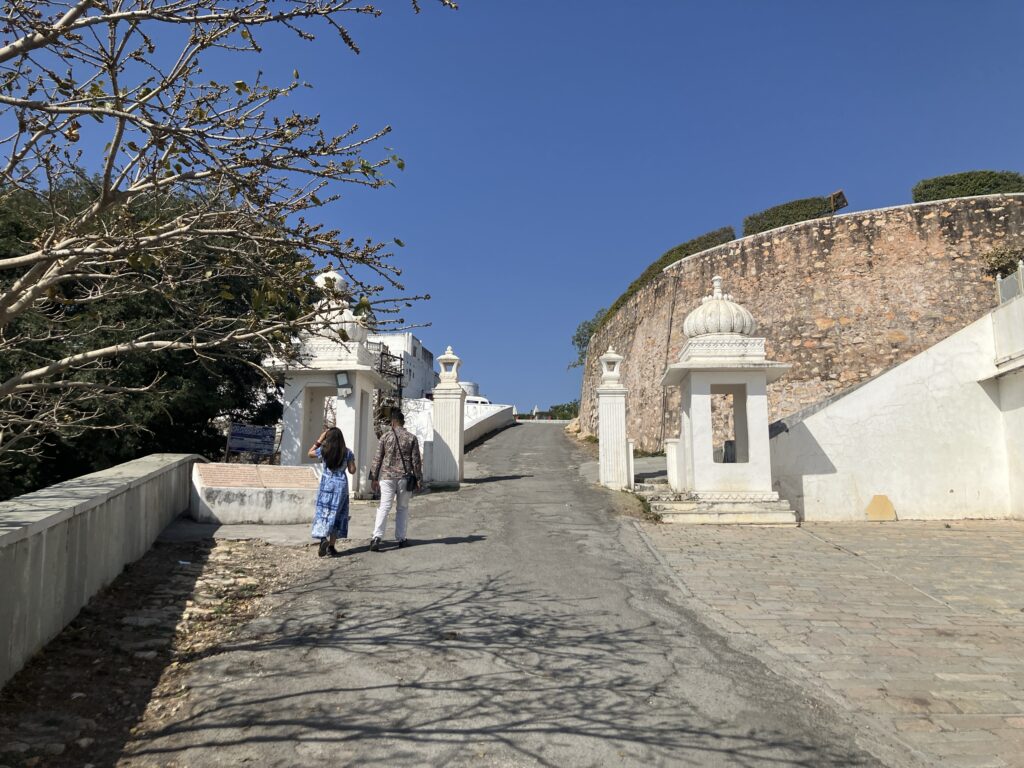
{"x": 557, "y": 147}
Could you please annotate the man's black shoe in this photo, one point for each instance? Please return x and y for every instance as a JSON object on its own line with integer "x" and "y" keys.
{"x": 375, "y": 544}
{"x": 403, "y": 543}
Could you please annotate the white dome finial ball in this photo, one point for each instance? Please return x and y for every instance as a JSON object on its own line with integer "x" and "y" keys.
{"x": 718, "y": 313}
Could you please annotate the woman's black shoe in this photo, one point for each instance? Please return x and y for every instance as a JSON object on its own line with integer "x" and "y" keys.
{"x": 322, "y": 552}
{"x": 333, "y": 552}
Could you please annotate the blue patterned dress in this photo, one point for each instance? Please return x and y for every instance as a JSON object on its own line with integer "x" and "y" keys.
{"x": 332, "y": 500}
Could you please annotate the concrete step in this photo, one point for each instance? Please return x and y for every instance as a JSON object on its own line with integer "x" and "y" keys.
{"x": 667, "y": 496}
{"x": 696, "y": 512}
{"x": 723, "y": 517}
{"x": 650, "y": 486}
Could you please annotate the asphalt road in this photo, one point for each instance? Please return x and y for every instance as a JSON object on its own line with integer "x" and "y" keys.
{"x": 528, "y": 625}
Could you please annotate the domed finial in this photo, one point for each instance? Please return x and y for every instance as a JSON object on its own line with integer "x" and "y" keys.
{"x": 718, "y": 314}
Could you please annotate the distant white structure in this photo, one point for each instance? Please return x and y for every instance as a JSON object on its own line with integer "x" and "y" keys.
{"x": 722, "y": 357}
{"x": 419, "y": 376}
{"x": 334, "y": 382}
{"x": 471, "y": 387}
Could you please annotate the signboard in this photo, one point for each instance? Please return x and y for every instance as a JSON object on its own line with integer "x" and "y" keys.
{"x": 246, "y": 438}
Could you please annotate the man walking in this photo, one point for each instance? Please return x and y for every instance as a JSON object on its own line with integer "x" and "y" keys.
{"x": 396, "y": 471}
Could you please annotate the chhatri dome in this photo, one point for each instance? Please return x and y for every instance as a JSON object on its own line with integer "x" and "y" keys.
{"x": 339, "y": 314}
{"x": 718, "y": 313}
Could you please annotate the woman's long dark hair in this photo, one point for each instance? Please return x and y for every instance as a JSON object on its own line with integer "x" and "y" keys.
{"x": 332, "y": 449}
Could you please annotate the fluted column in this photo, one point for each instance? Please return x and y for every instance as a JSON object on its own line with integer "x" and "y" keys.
{"x": 611, "y": 428}
{"x": 449, "y": 423}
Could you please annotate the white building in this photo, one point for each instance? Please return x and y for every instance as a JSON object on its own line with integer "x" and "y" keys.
{"x": 419, "y": 376}
{"x": 334, "y": 384}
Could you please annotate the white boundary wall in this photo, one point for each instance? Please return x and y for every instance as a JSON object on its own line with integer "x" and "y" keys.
{"x": 942, "y": 436}
{"x": 60, "y": 545}
{"x": 481, "y": 420}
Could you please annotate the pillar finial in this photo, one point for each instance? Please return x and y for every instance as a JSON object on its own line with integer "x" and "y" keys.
{"x": 611, "y": 362}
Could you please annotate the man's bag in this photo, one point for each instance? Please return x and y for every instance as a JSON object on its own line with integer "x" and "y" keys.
{"x": 409, "y": 481}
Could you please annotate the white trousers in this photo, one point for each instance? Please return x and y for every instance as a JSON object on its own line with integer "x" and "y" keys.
{"x": 389, "y": 489}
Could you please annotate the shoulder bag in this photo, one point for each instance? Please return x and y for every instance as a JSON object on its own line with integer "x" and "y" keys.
{"x": 409, "y": 481}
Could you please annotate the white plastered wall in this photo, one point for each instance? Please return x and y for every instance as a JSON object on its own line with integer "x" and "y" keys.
{"x": 929, "y": 434}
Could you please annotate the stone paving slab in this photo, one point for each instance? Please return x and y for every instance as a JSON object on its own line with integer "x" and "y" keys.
{"x": 919, "y": 626}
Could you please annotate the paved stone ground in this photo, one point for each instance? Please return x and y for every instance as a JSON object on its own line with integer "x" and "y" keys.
{"x": 919, "y": 626}
{"x": 529, "y": 624}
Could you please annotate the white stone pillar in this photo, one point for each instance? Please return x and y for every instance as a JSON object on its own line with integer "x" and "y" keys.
{"x": 611, "y": 427}
{"x": 759, "y": 452}
{"x": 672, "y": 462}
{"x": 449, "y": 424}
{"x": 684, "y": 452}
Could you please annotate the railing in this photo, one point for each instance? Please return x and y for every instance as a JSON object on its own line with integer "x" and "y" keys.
{"x": 1011, "y": 286}
{"x": 388, "y": 364}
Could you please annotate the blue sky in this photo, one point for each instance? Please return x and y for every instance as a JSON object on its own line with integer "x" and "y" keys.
{"x": 557, "y": 147}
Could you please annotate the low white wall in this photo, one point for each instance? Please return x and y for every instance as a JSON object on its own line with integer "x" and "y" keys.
{"x": 60, "y": 545}
{"x": 929, "y": 434}
{"x": 482, "y": 420}
{"x": 1011, "y": 399}
{"x": 291, "y": 499}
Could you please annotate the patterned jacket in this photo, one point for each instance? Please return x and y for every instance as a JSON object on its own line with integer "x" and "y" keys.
{"x": 388, "y": 463}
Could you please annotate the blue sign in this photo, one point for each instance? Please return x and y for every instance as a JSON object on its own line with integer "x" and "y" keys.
{"x": 246, "y": 438}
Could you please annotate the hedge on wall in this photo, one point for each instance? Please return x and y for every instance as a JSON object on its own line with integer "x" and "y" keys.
{"x": 968, "y": 184}
{"x": 690, "y": 247}
{"x": 787, "y": 213}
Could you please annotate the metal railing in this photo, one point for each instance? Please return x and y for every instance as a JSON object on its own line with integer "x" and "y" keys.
{"x": 1011, "y": 286}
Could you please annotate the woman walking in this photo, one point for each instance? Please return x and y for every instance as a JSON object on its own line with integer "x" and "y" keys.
{"x": 331, "y": 519}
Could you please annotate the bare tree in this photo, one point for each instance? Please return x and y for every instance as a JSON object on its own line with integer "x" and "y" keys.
{"x": 182, "y": 183}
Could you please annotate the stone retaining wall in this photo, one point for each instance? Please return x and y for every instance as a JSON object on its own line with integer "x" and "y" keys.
{"x": 842, "y": 298}
{"x": 60, "y": 545}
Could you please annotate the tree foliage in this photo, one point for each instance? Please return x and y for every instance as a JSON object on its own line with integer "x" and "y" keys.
{"x": 792, "y": 212}
{"x": 670, "y": 257}
{"x": 968, "y": 184}
{"x": 565, "y": 410}
{"x": 192, "y": 184}
{"x": 1003, "y": 260}
{"x": 581, "y": 339}
{"x": 176, "y": 414}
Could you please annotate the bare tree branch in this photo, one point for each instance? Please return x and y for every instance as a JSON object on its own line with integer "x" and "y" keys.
{"x": 205, "y": 198}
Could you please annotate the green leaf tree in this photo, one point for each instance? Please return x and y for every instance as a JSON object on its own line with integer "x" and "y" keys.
{"x": 565, "y": 410}
{"x": 581, "y": 338}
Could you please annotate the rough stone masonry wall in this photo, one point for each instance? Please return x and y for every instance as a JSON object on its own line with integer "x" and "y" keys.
{"x": 841, "y": 298}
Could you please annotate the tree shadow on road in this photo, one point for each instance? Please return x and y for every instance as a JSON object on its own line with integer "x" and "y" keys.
{"x": 373, "y": 674}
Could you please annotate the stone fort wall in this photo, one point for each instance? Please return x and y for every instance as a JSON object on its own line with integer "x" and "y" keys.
{"x": 842, "y": 298}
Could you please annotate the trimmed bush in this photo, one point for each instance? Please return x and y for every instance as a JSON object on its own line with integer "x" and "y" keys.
{"x": 968, "y": 184}
{"x": 690, "y": 247}
{"x": 1003, "y": 261}
{"x": 787, "y": 213}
